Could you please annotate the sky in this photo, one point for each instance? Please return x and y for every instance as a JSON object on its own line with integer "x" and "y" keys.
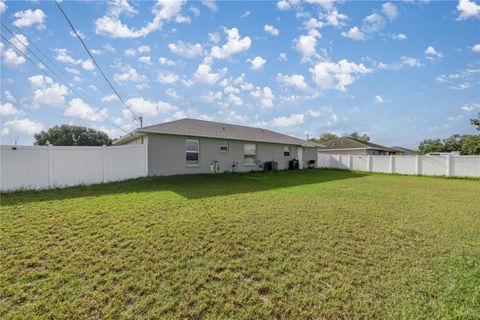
{"x": 399, "y": 71}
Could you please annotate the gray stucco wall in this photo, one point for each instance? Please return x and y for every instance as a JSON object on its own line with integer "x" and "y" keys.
{"x": 166, "y": 155}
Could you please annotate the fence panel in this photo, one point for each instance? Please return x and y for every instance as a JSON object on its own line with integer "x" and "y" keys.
{"x": 441, "y": 165}
{"x": 34, "y": 167}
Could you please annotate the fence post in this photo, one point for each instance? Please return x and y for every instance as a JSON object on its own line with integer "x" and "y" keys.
{"x": 104, "y": 151}
{"x": 448, "y": 165}
{"x": 392, "y": 164}
{"x": 51, "y": 166}
{"x": 417, "y": 165}
{"x": 369, "y": 163}
{"x": 350, "y": 165}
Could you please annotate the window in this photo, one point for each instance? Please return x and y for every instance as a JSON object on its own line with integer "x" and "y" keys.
{"x": 192, "y": 151}
{"x": 250, "y": 154}
{"x": 286, "y": 151}
{"x": 224, "y": 147}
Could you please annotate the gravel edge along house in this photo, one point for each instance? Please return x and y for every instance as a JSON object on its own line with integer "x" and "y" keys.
{"x": 188, "y": 146}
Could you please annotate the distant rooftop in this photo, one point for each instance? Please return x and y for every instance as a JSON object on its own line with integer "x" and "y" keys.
{"x": 351, "y": 143}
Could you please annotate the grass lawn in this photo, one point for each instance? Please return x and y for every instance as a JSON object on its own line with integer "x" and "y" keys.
{"x": 295, "y": 245}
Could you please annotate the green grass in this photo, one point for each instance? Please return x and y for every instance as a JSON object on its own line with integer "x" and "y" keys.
{"x": 295, "y": 245}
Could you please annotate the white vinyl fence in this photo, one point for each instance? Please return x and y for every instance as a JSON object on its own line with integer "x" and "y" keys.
{"x": 442, "y": 165}
{"x": 43, "y": 167}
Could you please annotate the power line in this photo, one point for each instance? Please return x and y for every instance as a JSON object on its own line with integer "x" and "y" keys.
{"x": 48, "y": 75}
{"x": 96, "y": 64}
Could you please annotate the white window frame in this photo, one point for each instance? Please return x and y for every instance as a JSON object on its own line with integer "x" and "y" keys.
{"x": 192, "y": 151}
{"x": 289, "y": 150}
{"x": 223, "y": 144}
{"x": 250, "y": 154}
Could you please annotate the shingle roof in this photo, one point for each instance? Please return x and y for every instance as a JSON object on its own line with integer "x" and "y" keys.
{"x": 350, "y": 143}
{"x": 210, "y": 129}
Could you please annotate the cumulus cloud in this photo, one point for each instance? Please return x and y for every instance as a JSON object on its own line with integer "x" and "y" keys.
{"x": 88, "y": 65}
{"x": 63, "y": 56}
{"x": 110, "y": 24}
{"x": 295, "y": 80}
{"x": 186, "y": 50}
{"x": 3, "y": 7}
{"x": 8, "y": 109}
{"x": 331, "y": 75}
{"x": 470, "y": 107}
{"x": 433, "y": 54}
{"x": 306, "y": 45}
{"x": 210, "y": 4}
{"x": 112, "y": 97}
{"x": 294, "y": 119}
{"x": 12, "y": 59}
{"x": 145, "y": 60}
{"x": 166, "y": 62}
{"x": 411, "y": 62}
{"x": 129, "y": 74}
{"x": 29, "y": 18}
{"x": 265, "y": 96}
{"x": 167, "y": 77}
{"x": 257, "y": 63}
{"x": 476, "y": 48}
{"x": 355, "y": 34}
{"x": 82, "y": 110}
{"x": 147, "y": 107}
{"x": 390, "y": 10}
{"x": 205, "y": 75}
{"x": 235, "y": 44}
{"x": 47, "y": 92}
{"x": 271, "y": 29}
{"x": 468, "y": 9}
{"x": 378, "y": 99}
{"x": 22, "y": 126}
{"x": 20, "y": 42}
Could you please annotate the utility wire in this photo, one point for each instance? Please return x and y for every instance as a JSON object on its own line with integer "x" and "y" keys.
{"x": 96, "y": 64}
{"x": 48, "y": 75}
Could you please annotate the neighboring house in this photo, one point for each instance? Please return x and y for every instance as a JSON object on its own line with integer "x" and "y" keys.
{"x": 404, "y": 151}
{"x": 197, "y": 146}
{"x": 352, "y": 146}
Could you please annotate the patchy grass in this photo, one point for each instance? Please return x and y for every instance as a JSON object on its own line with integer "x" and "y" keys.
{"x": 294, "y": 245}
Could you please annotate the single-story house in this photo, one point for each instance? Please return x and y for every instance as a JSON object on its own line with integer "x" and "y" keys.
{"x": 351, "y": 146}
{"x": 198, "y": 146}
{"x": 404, "y": 151}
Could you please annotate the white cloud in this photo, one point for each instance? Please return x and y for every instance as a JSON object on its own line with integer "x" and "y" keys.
{"x": 378, "y": 99}
{"x": 327, "y": 5}
{"x": 88, "y": 65}
{"x": 130, "y": 74}
{"x": 22, "y": 126}
{"x": 205, "y": 75}
{"x": 8, "y": 109}
{"x": 210, "y": 4}
{"x": 314, "y": 113}
{"x": 390, "y": 10}
{"x": 82, "y": 110}
{"x": 373, "y": 23}
{"x": 145, "y": 59}
{"x": 20, "y": 42}
{"x": 354, "y": 33}
{"x": 399, "y": 36}
{"x": 195, "y": 10}
{"x": 468, "y": 9}
{"x": 166, "y": 62}
{"x": 143, "y": 49}
{"x": 186, "y": 50}
{"x": 110, "y": 24}
{"x": 432, "y": 53}
{"x": 130, "y": 52}
{"x": 172, "y": 94}
{"x": 265, "y": 96}
{"x": 471, "y": 106}
{"x": 295, "y": 80}
{"x": 11, "y": 59}
{"x": 74, "y": 71}
{"x": 330, "y": 75}
{"x": 108, "y": 47}
{"x": 283, "y": 5}
{"x": 211, "y": 97}
{"x": 234, "y": 45}
{"x": 271, "y": 29}
{"x": 411, "y": 62}
{"x": 257, "y": 63}
{"x": 28, "y": 18}
{"x": 147, "y": 107}
{"x": 47, "y": 92}
{"x": 462, "y": 86}
{"x": 294, "y": 119}
{"x": 9, "y": 96}
{"x": 336, "y": 19}
{"x": 3, "y": 7}
{"x": 214, "y": 37}
{"x": 112, "y": 97}
{"x": 245, "y": 14}
{"x": 282, "y": 57}
{"x": 63, "y": 56}
{"x": 167, "y": 77}
{"x": 476, "y": 48}
{"x": 306, "y": 45}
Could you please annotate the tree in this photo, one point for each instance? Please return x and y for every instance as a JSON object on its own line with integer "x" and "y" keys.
{"x": 476, "y": 122}
{"x": 431, "y": 145}
{"x": 453, "y": 143}
{"x": 470, "y": 145}
{"x": 357, "y": 136}
{"x": 68, "y": 135}
{"x": 324, "y": 138}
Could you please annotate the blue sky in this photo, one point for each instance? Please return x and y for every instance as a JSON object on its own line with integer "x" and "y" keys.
{"x": 399, "y": 71}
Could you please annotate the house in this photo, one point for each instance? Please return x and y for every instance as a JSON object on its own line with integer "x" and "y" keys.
{"x": 403, "y": 151}
{"x": 197, "y": 146}
{"x": 347, "y": 145}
